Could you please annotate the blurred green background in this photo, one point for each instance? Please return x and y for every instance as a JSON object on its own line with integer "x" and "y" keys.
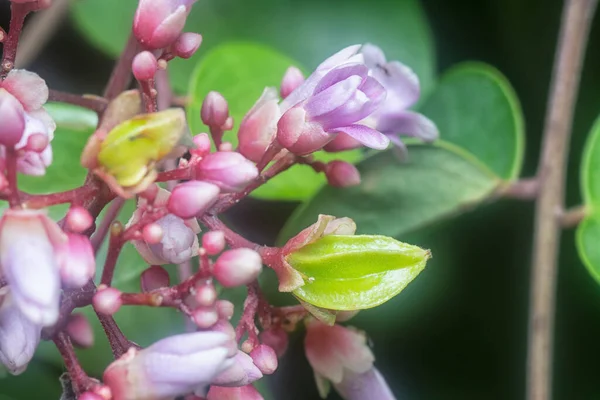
{"x": 459, "y": 331}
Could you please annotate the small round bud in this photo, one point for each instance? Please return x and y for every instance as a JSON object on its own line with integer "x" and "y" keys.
{"x": 193, "y": 198}
{"x": 144, "y": 66}
{"x": 37, "y": 142}
{"x": 231, "y": 171}
{"x": 80, "y": 330}
{"x": 107, "y": 300}
{"x": 202, "y": 143}
{"x": 78, "y": 219}
{"x": 291, "y": 80}
{"x": 213, "y": 242}
{"x": 276, "y": 338}
{"x": 152, "y": 233}
{"x": 153, "y": 278}
{"x": 264, "y": 358}
{"x": 237, "y": 267}
{"x": 186, "y": 44}
{"x": 204, "y": 318}
{"x": 215, "y": 111}
{"x": 342, "y": 174}
{"x": 150, "y": 193}
{"x": 247, "y": 346}
{"x": 206, "y": 295}
{"x": 225, "y": 309}
{"x": 226, "y": 146}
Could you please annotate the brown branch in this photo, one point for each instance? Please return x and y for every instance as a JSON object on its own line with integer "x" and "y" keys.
{"x": 121, "y": 74}
{"x": 94, "y": 103}
{"x": 576, "y": 21}
{"x": 573, "y": 216}
{"x": 523, "y": 189}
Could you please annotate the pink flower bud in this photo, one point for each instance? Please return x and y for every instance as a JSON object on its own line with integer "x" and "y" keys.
{"x": 78, "y": 219}
{"x": 80, "y": 330}
{"x": 242, "y": 372}
{"x": 291, "y": 80}
{"x": 298, "y": 135}
{"x": 247, "y": 392}
{"x": 264, "y": 358}
{"x": 205, "y": 317}
{"x": 202, "y": 142}
{"x": 158, "y": 23}
{"x": 76, "y": 261}
{"x": 186, "y": 44}
{"x": 89, "y": 396}
{"x": 152, "y": 233}
{"x": 12, "y": 116}
{"x": 213, "y": 242}
{"x": 225, "y": 309}
{"x": 171, "y": 367}
{"x": 179, "y": 242}
{"x": 37, "y": 143}
{"x": 231, "y": 171}
{"x": 259, "y": 127}
{"x": 107, "y": 300}
{"x": 277, "y": 339}
{"x": 342, "y": 174}
{"x": 205, "y": 295}
{"x": 144, "y": 66}
{"x": 153, "y": 278}
{"x": 342, "y": 142}
{"x": 215, "y": 111}
{"x": 192, "y": 199}
{"x": 237, "y": 267}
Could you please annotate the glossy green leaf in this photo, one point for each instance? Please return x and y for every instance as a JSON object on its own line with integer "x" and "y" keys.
{"x": 254, "y": 67}
{"x": 394, "y": 198}
{"x": 475, "y": 107}
{"x": 347, "y": 272}
{"x": 588, "y": 232}
{"x": 308, "y": 30}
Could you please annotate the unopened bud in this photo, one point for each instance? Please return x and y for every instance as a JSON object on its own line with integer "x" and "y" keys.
{"x": 144, "y": 66}
{"x": 259, "y": 127}
{"x": 193, "y": 198}
{"x": 186, "y": 44}
{"x": 37, "y": 142}
{"x": 78, "y": 219}
{"x": 76, "y": 261}
{"x": 213, "y": 242}
{"x": 12, "y": 116}
{"x": 155, "y": 277}
{"x": 237, "y": 267}
{"x": 291, "y": 80}
{"x": 158, "y": 23}
{"x": 342, "y": 142}
{"x": 205, "y": 317}
{"x": 276, "y": 338}
{"x": 202, "y": 143}
{"x": 152, "y": 233}
{"x": 215, "y": 111}
{"x": 107, "y": 300}
{"x": 342, "y": 174}
{"x": 225, "y": 309}
{"x": 231, "y": 171}
{"x": 80, "y": 330}
{"x": 264, "y": 358}
{"x": 206, "y": 295}
{"x": 241, "y": 373}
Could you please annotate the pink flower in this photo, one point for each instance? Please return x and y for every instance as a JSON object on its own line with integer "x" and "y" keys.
{"x": 32, "y": 93}
{"x": 368, "y": 385}
{"x": 76, "y": 261}
{"x": 158, "y": 23}
{"x": 243, "y": 372}
{"x": 259, "y": 127}
{"x": 247, "y": 392}
{"x": 229, "y": 170}
{"x": 28, "y": 260}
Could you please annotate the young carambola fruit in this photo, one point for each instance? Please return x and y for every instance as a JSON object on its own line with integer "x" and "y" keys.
{"x": 345, "y": 272}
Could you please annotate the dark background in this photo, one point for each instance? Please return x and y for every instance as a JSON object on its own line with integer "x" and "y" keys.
{"x": 459, "y": 331}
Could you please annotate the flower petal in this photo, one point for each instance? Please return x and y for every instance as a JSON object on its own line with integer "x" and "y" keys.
{"x": 408, "y": 123}
{"x": 368, "y": 385}
{"x": 367, "y": 136}
{"x": 28, "y": 87}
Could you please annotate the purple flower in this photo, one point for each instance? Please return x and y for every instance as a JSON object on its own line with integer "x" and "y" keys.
{"x": 241, "y": 373}
{"x": 368, "y": 385}
{"x": 28, "y": 260}
{"x": 171, "y": 367}
{"x": 19, "y": 336}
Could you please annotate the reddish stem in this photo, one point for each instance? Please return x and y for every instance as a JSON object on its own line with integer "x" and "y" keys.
{"x": 121, "y": 74}
{"x": 72, "y": 299}
{"x": 232, "y": 238}
{"x": 180, "y": 174}
{"x": 117, "y": 340}
{"x": 106, "y": 223}
{"x": 77, "y": 196}
{"x": 94, "y": 103}
{"x": 11, "y": 176}
{"x": 18, "y": 13}
{"x": 149, "y": 95}
{"x": 79, "y": 379}
{"x": 115, "y": 245}
{"x": 246, "y": 323}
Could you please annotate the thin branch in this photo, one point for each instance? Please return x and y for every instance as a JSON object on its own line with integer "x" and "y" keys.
{"x": 117, "y": 340}
{"x": 121, "y": 75}
{"x": 572, "y": 217}
{"x": 40, "y": 30}
{"x": 94, "y": 103}
{"x": 523, "y": 189}
{"x": 576, "y": 21}
{"x": 80, "y": 380}
{"x": 109, "y": 217}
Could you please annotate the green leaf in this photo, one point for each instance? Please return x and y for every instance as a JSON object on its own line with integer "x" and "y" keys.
{"x": 588, "y": 232}
{"x": 347, "y": 272}
{"x": 394, "y": 198}
{"x": 309, "y": 30}
{"x": 254, "y": 67}
{"x": 475, "y": 107}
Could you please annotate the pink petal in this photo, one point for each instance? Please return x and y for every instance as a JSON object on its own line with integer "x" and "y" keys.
{"x": 408, "y": 123}
{"x": 367, "y": 136}
{"x": 28, "y": 87}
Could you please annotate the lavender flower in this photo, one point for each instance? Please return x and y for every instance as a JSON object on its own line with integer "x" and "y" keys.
{"x": 368, "y": 385}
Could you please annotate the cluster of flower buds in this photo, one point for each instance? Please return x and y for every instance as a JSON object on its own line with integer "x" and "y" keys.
{"x": 37, "y": 259}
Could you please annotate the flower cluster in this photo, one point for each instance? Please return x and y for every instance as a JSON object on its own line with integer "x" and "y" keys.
{"x": 143, "y": 151}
